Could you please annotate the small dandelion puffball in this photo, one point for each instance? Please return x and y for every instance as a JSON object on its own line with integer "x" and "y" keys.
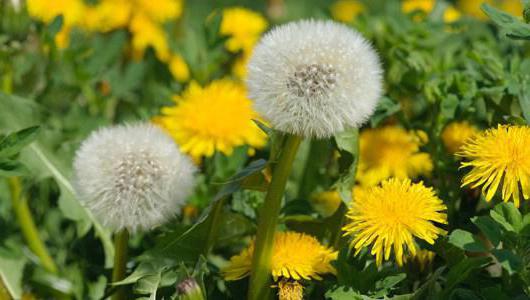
{"x": 314, "y": 78}
{"x": 132, "y": 176}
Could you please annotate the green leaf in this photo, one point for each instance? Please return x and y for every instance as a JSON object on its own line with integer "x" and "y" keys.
{"x": 344, "y": 293}
{"x": 348, "y": 145}
{"x": 490, "y": 229}
{"x": 524, "y": 100}
{"x": 466, "y": 240}
{"x": 514, "y": 28}
{"x": 508, "y": 216}
{"x": 10, "y": 168}
{"x": 16, "y": 112}
{"x": 386, "y": 107}
{"x": 508, "y": 260}
{"x": 11, "y": 271}
{"x": 13, "y": 143}
{"x": 448, "y": 106}
{"x": 462, "y": 270}
{"x": 385, "y": 285}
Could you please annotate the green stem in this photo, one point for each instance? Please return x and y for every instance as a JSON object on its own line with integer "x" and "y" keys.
{"x": 261, "y": 269}
{"x": 28, "y": 227}
{"x": 121, "y": 240}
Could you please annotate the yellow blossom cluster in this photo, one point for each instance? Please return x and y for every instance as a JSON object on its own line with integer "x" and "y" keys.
{"x": 143, "y": 18}
{"x": 243, "y": 28}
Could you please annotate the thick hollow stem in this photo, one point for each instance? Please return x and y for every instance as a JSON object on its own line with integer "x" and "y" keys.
{"x": 268, "y": 219}
{"x": 121, "y": 240}
{"x": 28, "y": 227}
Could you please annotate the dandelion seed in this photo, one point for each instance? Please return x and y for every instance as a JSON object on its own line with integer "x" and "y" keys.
{"x": 132, "y": 177}
{"x": 314, "y": 78}
{"x": 499, "y": 155}
{"x": 388, "y": 217}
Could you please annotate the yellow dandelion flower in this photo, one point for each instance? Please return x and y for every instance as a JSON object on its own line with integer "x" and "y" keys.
{"x": 243, "y": 27}
{"x": 294, "y": 256}
{"x": 217, "y": 117}
{"x": 451, "y": 14}
{"x": 425, "y": 6}
{"x": 391, "y": 151}
{"x": 45, "y": 11}
{"x": 455, "y": 134}
{"x": 499, "y": 154}
{"x": 472, "y": 7}
{"x": 389, "y": 216}
{"x": 423, "y": 258}
{"x": 326, "y": 203}
{"x": 178, "y": 68}
{"x": 145, "y": 34}
{"x": 107, "y": 15}
{"x": 290, "y": 290}
{"x": 161, "y": 10}
{"x": 62, "y": 38}
{"x": 346, "y": 10}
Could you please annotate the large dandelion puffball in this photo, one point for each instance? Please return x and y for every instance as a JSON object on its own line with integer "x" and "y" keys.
{"x": 314, "y": 78}
{"x": 132, "y": 176}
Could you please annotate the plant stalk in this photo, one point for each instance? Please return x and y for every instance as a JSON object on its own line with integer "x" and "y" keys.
{"x": 261, "y": 263}
{"x": 28, "y": 227}
{"x": 121, "y": 240}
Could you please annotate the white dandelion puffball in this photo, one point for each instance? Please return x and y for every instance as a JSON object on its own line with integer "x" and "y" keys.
{"x": 314, "y": 78}
{"x": 132, "y": 177}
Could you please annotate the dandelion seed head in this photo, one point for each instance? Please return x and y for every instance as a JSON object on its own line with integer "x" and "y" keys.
{"x": 132, "y": 176}
{"x": 314, "y": 78}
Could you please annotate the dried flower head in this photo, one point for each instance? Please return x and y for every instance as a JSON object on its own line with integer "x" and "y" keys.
{"x": 314, "y": 78}
{"x": 132, "y": 176}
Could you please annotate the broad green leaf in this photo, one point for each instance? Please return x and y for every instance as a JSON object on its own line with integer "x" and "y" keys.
{"x": 16, "y": 113}
{"x": 344, "y": 293}
{"x": 348, "y": 144}
{"x": 490, "y": 229}
{"x": 11, "y": 271}
{"x": 508, "y": 260}
{"x": 466, "y": 240}
{"x": 10, "y": 168}
{"x": 462, "y": 270}
{"x": 386, "y": 107}
{"x": 13, "y": 143}
{"x": 508, "y": 216}
{"x": 514, "y": 27}
{"x": 386, "y": 285}
{"x": 448, "y": 106}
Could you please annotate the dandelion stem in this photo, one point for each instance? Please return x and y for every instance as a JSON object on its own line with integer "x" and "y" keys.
{"x": 268, "y": 219}
{"x": 28, "y": 227}
{"x": 121, "y": 240}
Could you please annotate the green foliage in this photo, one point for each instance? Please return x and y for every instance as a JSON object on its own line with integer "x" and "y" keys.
{"x": 435, "y": 73}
